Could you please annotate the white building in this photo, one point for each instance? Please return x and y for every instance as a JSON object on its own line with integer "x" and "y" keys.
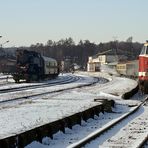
{"x": 94, "y": 63}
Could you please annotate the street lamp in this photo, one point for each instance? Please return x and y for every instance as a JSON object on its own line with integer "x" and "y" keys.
{"x": 1, "y": 45}
{"x": 5, "y": 42}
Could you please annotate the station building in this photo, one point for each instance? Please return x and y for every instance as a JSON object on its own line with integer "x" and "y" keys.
{"x": 94, "y": 63}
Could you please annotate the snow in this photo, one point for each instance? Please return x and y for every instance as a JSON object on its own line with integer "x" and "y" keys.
{"x": 36, "y": 111}
{"x": 129, "y": 133}
{"x": 79, "y": 132}
{"x": 106, "y": 69}
{"x": 42, "y": 109}
{"x": 117, "y": 86}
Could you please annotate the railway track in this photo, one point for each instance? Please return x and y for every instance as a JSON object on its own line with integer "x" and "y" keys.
{"x": 5, "y": 80}
{"x": 4, "y": 77}
{"x": 89, "y": 140}
{"x": 5, "y": 83}
{"x": 72, "y": 120}
{"x": 65, "y": 122}
{"x": 144, "y": 143}
{"x": 59, "y": 81}
{"x": 33, "y": 89}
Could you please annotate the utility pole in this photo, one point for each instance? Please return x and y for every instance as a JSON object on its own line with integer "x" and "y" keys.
{"x": 115, "y": 41}
{"x": 1, "y": 47}
{"x": 116, "y": 48}
{"x": 0, "y": 44}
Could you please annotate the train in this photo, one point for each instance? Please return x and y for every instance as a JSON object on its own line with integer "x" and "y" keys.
{"x": 143, "y": 69}
{"x": 128, "y": 69}
{"x": 137, "y": 69}
{"x": 32, "y": 66}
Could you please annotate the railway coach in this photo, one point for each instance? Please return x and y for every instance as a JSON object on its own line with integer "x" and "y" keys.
{"x": 143, "y": 69}
{"x": 32, "y": 66}
{"x": 128, "y": 69}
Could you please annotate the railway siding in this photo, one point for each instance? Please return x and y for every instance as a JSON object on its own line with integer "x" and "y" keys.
{"x": 84, "y": 100}
{"x": 22, "y": 139}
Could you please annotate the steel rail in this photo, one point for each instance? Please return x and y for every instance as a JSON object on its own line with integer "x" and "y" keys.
{"x": 68, "y": 79}
{"x": 45, "y": 93}
{"x": 95, "y": 135}
{"x": 143, "y": 142}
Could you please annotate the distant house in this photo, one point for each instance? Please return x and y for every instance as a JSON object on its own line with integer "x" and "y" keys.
{"x": 7, "y": 65}
{"x": 105, "y": 59}
{"x": 94, "y": 63}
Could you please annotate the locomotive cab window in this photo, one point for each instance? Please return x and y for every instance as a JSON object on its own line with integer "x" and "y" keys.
{"x": 144, "y": 50}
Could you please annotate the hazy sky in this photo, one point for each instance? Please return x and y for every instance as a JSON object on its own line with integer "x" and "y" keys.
{"x": 26, "y": 22}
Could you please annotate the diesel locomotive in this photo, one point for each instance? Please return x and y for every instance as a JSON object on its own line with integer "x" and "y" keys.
{"x": 32, "y": 66}
{"x": 143, "y": 69}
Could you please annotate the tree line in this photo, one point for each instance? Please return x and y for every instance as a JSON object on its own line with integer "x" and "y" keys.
{"x": 79, "y": 53}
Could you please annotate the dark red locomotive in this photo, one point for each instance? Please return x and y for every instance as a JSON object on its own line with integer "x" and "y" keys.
{"x": 143, "y": 69}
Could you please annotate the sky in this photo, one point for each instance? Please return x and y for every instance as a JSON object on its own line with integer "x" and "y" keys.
{"x": 26, "y": 22}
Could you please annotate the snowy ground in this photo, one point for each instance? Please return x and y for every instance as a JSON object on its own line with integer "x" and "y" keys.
{"x": 78, "y": 132}
{"x": 129, "y": 133}
{"x": 111, "y": 90}
{"x": 85, "y": 80}
{"x": 20, "y": 116}
{"x": 32, "y": 113}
